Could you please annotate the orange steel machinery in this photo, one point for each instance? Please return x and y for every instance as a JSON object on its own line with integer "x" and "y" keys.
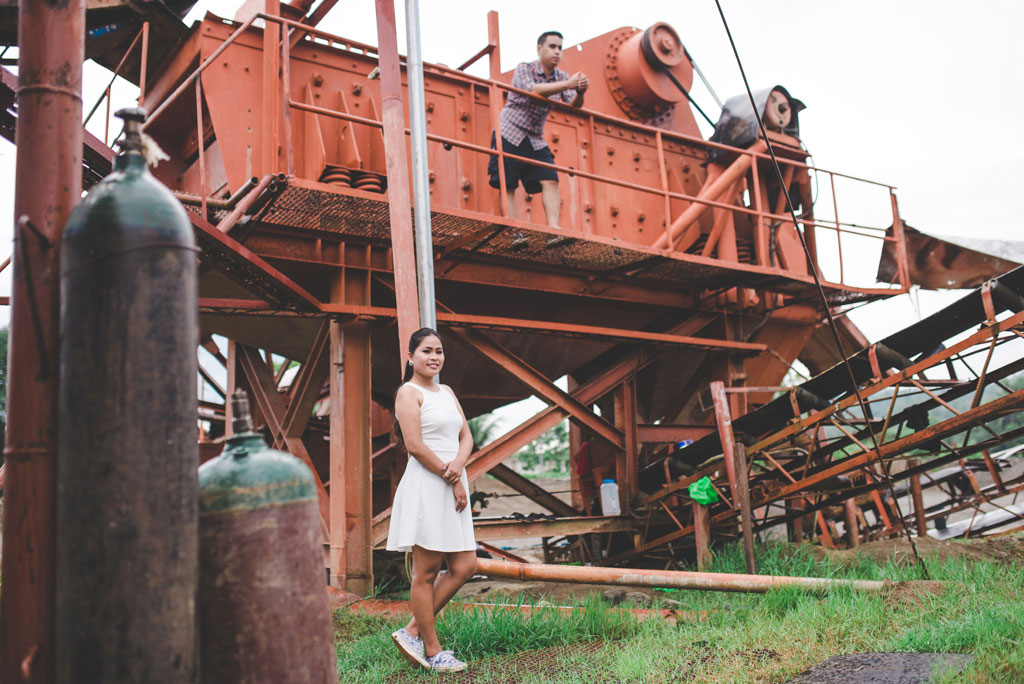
{"x": 676, "y": 264}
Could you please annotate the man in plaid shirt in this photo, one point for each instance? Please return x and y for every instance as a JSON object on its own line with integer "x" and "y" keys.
{"x": 522, "y": 125}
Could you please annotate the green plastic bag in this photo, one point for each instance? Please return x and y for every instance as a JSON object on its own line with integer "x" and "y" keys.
{"x": 702, "y": 492}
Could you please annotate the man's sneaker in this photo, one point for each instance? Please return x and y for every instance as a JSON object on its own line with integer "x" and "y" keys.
{"x": 517, "y": 241}
{"x": 445, "y": 661}
{"x": 559, "y": 241}
{"x": 411, "y": 647}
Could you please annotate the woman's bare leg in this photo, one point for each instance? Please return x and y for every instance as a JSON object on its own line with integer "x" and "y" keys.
{"x": 426, "y": 565}
{"x": 461, "y": 567}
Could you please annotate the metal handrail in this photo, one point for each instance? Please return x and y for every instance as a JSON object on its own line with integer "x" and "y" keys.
{"x": 828, "y": 225}
{"x": 757, "y": 212}
{"x": 143, "y": 34}
{"x": 460, "y": 75}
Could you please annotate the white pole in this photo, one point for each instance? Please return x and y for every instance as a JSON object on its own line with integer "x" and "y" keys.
{"x": 420, "y": 172}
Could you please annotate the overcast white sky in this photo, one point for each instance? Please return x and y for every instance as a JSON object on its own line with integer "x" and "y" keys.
{"x": 921, "y": 95}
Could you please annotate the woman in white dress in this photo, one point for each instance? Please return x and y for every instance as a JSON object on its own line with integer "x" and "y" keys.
{"x": 430, "y": 516}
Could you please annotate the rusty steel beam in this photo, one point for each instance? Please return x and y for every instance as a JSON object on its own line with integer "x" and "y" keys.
{"x": 665, "y": 433}
{"x": 702, "y": 535}
{"x": 937, "y": 431}
{"x": 356, "y": 439}
{"x": 532, "y": 491}
{"x": 248, "y": 268}
{"x": 490, "y": 530}
{"x": 536, "y": 382}
{"x": 274, "y": 410}
{"x": 403, "y": 249}
{"x": 669, "y": 579}
{"x": 627, "y": 464}
{"x": 741, "y": 497}
{"x": 710, "y": 191}
{"x": 460, "y": 320}
{"x": 512, "y": 441}
{"x": 598, "y": 332}
{"x": 586, "y": 393}
{"x": 48, "y": 184}
{"x": 899, "y": 377}
{"x": 270, "y": 114}
{"x": 315, "y": 17}
{"x": 305, "y": 391}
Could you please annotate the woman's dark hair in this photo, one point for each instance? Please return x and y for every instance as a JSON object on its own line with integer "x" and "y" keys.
{"x": 414, "y": 343}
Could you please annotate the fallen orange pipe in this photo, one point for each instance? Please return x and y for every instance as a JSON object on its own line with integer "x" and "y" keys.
{"x": 698, "y": 581}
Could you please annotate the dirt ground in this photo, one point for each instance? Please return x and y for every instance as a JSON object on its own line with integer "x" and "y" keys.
{"x": 1008, "y": 548}
{"x": 881, "y": 668}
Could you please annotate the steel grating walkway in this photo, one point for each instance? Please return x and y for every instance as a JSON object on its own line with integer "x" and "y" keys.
{"x": 458, "y": 234}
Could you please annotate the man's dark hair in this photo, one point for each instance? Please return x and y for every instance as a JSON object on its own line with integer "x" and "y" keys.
{"x": 543, "y": 36}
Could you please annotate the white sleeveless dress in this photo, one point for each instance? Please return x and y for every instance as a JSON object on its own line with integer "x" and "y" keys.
{"x": 423, "y": 513}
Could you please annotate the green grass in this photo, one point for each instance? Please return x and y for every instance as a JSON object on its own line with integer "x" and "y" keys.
{"x": 746, "y": 637}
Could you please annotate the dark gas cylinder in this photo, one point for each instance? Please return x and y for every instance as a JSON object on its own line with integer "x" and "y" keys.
{"x": 127, "y": 484}
{"x": 263, "y": 609}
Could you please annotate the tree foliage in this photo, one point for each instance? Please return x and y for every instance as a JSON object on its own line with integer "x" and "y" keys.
{"x": 483, "y": 428}
{"x": 549, "y": 453}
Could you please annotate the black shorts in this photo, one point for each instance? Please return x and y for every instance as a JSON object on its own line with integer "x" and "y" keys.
{"x": 516, "y": 171}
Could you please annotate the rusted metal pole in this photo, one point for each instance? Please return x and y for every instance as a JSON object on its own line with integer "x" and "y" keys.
{"x": 702, "y": 535}
{"x": 723, "y": 418}
{"x": 496, "y": 102}
{"x": 351, "y": 546}
{"x": 143, "y": 61}
{"x": 627, "y": 464}
{"x": 696, "y": 581}
{"x": 402, "y": 247}
{"x": 796, "y": 524}
{"x": 201, "y": 146}
{"x": 735, "y": 468}
{"x": 286, "y": 96}
{"x": 741, "y": 497}
{"x": 48, "y": 183}
{"x": 271, "y": 89}
{"x": 920, "y": 513}
{"x": 852, "y": 529}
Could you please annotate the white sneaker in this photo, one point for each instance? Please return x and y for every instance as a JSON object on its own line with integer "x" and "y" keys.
{"x": 445, "y": 661}
{"x": 411, "y": 647}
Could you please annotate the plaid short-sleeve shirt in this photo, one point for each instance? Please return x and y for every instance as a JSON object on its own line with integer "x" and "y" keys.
{"x": 524, "y": 117}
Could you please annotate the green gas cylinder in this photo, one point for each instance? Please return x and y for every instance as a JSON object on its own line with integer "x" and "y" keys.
{"x": 127, "y": 513}
{"x": 264, "y": 615}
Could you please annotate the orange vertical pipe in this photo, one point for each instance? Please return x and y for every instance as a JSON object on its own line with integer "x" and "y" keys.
{"x": 702, "y": 535}
{"x": 496, "y": 103}
{"x": 271, "y": 63}
{"x": 48, "y": 183}
{"x": 403, "y": 251}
